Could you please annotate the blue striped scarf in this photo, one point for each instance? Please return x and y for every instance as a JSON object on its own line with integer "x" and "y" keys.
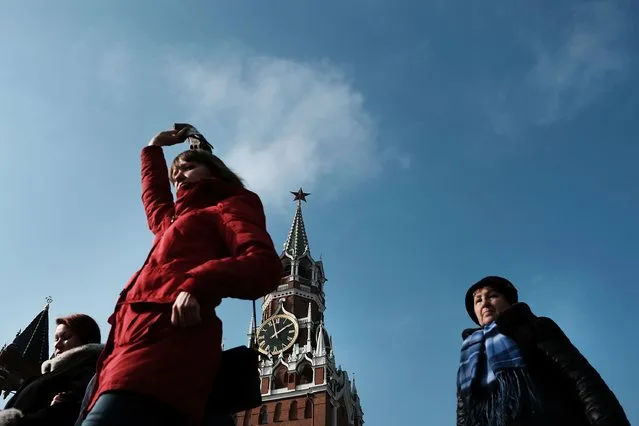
{"x": 492, "y": 378}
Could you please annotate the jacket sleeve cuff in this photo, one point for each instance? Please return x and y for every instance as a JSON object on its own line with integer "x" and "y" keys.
{"x": 151, "y": 148}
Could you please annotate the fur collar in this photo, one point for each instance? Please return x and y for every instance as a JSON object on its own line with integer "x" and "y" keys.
{"x": 10, "y": 417}
{"x": 73, "y": 357}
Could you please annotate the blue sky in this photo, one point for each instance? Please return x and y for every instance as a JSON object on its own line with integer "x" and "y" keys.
{"x": 441, "y": 141}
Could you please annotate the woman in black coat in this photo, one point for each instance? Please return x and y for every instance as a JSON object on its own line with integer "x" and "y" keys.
{"x": 54, "y": 397}
{"x": 518, "y": 369}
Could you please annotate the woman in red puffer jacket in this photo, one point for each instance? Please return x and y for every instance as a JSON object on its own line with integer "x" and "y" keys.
{"x": 164, "y": 346}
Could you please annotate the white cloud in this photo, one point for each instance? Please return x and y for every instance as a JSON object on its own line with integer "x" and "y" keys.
{"x": 283, "y": 124}
{"x": 567, "y": 75}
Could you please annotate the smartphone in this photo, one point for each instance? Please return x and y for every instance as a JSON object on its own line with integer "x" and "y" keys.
{"x": 180, "y": 126}
{"x": 195, "y": 138}
{"x": 192, "y": 130}
{"x": 191, "y": 133}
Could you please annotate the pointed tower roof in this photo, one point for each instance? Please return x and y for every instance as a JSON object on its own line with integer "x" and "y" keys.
{"x": 251, "y": 332}
{"x": 251, "y": 328}
{"x": 320, "y": 350}
{"x": 297, "y": 242}
{"x": 33, "y": 342}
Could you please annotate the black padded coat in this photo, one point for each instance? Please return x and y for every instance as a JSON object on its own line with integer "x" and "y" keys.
{"x": 570, "y": 388}
{"x": 53, "y": 398}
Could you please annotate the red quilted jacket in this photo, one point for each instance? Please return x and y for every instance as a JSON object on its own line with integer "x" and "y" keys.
{"x": 211, "y": 242}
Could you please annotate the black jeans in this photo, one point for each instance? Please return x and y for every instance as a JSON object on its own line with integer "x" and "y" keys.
{"x": 131, "y": 409}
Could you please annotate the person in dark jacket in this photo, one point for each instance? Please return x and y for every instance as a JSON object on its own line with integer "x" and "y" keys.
{"x": 54, "y": 397}
{"x": 518, "y": 369}
{"x": 211, "y": 242}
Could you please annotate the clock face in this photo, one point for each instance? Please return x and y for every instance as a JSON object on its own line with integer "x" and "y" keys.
{"x": 277, "y": 334}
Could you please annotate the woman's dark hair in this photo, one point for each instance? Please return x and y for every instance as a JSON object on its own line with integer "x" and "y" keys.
{"x": 210, "y": 161}
{"x": 82, "y": 326}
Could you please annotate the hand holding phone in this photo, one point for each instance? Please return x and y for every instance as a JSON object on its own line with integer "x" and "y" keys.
{"x": 196, "y": 139}
{"x": 170, "y": 137}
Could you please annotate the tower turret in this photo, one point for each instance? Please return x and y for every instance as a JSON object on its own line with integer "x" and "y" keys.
{"x": 21, "y": 359}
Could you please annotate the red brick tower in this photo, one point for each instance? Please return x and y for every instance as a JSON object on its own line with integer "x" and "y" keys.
{"x": 301, "y": 384}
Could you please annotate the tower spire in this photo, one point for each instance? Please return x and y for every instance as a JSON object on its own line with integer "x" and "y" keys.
{"x": 251, "y": 332}
{"x": 33, "y": 342}
{"x": 297, "y": 355}
{"x": 297, "y": 242}
{"x": 25, "y": 355}
{"x": 320, "y": 350}
{"x": 309, "y": 344}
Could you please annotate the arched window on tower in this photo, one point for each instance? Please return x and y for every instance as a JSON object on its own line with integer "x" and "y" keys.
{"x": 308, "y": 409}
{"x": 279, "y": 377}
{"x": 286, "y": 268}
{"x": 263, "y": 416}
{"x": 292, "y": 411}
{"x": 247, "y": 417}
{"x": 305, "y": 269}
{"x": 277, "y": 416}
{"x": 305, "y": 374}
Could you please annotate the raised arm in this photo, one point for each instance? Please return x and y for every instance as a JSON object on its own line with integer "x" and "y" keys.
{"x": 156, "y": 189}
{"x": 253, "y": 268}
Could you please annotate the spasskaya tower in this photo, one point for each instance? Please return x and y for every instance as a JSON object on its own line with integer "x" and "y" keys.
{"x": 301, "y": 384}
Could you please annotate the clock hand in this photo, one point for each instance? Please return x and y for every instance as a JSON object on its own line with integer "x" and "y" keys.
{"x": 275, "y": 332}
{"x": 281, "y": 329}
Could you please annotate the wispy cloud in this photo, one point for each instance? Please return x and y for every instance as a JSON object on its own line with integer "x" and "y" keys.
{"x": 115, "y": 72}
{"x": 283, "y": 124}
{"x": 571, "y": 69}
